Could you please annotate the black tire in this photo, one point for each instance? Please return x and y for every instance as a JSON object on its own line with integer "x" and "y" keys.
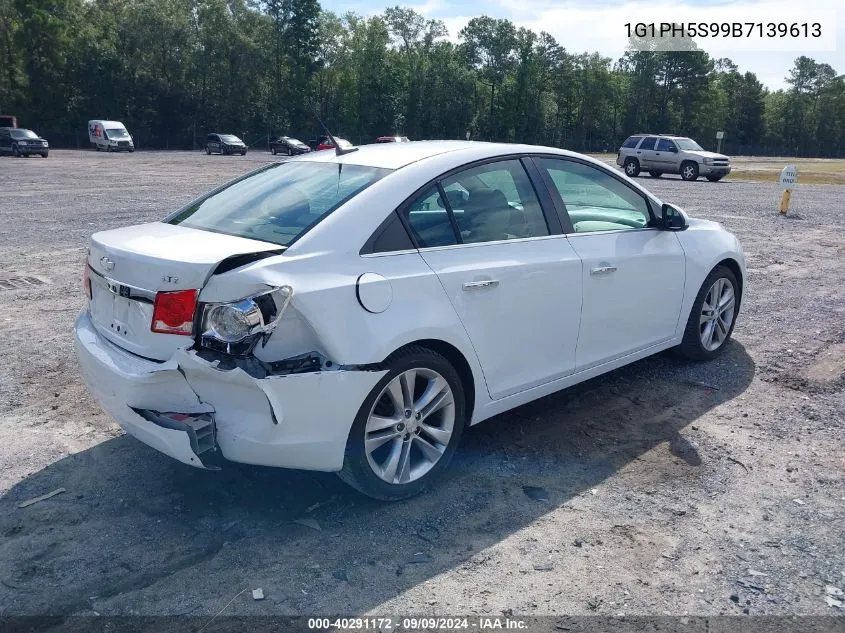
{"x": 357, "y": 471}
{"x": 131, "y": 149}
{"x": 631, "y": 167}
{"x": 689, "y": 170}
{"x": 691, "y": 346}
{"x": 655, "y": 174}
{"x": 289, "y": 152}
{"x": 44, "y": 154}
{"x": 273, "y": 150}
{"x": 243, "y": 153}
{"x": 16, "y": 151}
{"x": 714, "y": 178}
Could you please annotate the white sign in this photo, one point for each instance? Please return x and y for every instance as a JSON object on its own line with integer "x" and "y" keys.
{"x": 789, "y": 177}
{"x": 720, "y": 135}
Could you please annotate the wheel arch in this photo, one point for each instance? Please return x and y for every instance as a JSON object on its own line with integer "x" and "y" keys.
{"x": 457, "y": 360}
{"x": 733, "y": 265}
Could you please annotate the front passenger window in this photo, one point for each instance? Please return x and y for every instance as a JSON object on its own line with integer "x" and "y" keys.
{"x": 595, "y": 200}
{"x": 665, "y": 145}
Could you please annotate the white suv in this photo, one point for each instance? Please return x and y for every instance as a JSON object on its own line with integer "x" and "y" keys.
{"x": 660, "y": 154}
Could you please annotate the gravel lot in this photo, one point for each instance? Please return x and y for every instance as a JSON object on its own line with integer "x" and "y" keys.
{"x": 670, "y": 487}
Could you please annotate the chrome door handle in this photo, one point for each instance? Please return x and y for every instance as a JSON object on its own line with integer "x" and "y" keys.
{"x": 485, "y": 283}
{"x": 603, "y": 270}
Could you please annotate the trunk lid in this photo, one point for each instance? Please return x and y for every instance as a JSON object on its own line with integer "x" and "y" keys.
{"x": 130, "y": 265}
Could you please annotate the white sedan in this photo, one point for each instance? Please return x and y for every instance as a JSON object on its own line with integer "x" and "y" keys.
{"x": 355, "y": 312}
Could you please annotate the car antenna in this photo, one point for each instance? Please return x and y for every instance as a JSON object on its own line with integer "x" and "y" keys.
{"x": 339, "y": 151}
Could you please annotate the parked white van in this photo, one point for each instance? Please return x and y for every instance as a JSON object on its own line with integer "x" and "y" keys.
{"x": 109, "y": 136}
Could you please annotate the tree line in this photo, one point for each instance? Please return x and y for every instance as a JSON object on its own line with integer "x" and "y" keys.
{"x": 174, "y": 70}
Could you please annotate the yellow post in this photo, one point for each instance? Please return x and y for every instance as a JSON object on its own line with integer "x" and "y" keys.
{"x": 784, "y": 201}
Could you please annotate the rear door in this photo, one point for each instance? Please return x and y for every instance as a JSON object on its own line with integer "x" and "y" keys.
{"x": 514, "y": 283}
{"x": 645, "y": 153}
{"x": 633, "y": 273}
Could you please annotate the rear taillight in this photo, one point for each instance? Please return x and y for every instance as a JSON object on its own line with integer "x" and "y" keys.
{"x": 86, "y": 279}
{"x": 173, "y": 312}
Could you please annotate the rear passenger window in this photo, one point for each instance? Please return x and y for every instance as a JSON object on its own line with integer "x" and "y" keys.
{"x": 429, "y": 220}
{"x": 497, "y": 202}
{"x": 649, "y": 142}
{"x": 631, "y": 143}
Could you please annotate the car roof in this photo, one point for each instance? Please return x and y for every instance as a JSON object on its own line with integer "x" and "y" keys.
{"x": 105, "y": 123}
{"x": 398, "y": 155}
{"x": 657, "y": 135}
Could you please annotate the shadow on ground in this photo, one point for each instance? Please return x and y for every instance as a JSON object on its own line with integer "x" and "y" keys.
{"x": 137, "y": 532}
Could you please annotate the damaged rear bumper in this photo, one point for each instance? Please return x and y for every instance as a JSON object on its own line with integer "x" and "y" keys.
{"x": 290, "y": 420}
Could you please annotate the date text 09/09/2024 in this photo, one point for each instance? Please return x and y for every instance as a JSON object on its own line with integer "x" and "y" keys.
{"x": 724, "y": 29}
{"x": 479, "y": 623}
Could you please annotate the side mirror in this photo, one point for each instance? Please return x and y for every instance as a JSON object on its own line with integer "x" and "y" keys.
{"x": 672, "y": 219}
{"x": 674, "y": 150}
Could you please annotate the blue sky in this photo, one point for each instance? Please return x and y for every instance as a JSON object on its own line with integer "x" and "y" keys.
{"x": 585, "y": 26}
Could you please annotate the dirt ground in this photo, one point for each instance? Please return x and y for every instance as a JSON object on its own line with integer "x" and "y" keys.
{"x": 666, "y": 487}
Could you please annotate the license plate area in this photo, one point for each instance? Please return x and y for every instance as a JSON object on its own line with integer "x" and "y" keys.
{"x": 120, "y": 310}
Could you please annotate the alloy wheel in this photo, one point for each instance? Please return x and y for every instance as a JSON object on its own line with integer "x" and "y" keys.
{"x": 409, "y": 426}
{"x": 717, "y": 314}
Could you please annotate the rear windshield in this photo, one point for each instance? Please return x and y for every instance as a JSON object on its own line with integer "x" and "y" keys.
{"x": 279, "y": 202}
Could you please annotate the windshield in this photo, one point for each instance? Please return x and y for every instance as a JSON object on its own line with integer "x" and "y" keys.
{"x": 24, "y": 134}
{"x": 688, "y": 144}
{"x": 117, "y": 133}
{"x": 280, "y": 202}
{"x": 229, "y": 138}
{"x": 342, "y": 143}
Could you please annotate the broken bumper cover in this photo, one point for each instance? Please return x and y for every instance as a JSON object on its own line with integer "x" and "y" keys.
{"x": 290, "y": 421}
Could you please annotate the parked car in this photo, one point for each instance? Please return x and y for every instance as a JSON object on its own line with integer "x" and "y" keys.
{"x": 392, "y": 139}
{"x": 660, "y": 154}
{"x": 109, "y": 136}
{"x": 289, "y": 146}
{"x": 224, "y": 144}
{"x": 8, "y": 120}
{"x": 22, "y": 142}
{"x": 326, "y": 143}
{"x": 336, "y": 313}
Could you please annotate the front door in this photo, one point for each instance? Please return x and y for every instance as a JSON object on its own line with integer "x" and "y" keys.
{"x": 633, "y": 273}
{"x": 666, "y": 156}
{"x": 515, "y": 287}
